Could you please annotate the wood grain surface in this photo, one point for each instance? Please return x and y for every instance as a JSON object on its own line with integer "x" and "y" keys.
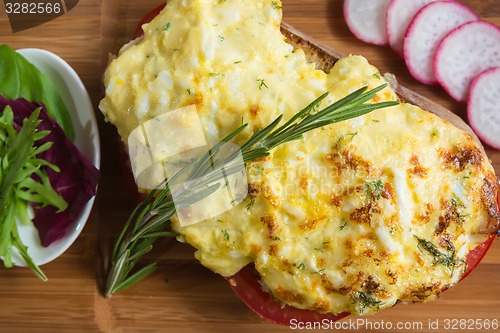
{"x": 182, "y": 296}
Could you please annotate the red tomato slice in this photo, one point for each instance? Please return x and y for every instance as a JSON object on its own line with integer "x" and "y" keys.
{"x": 246, "y": 284}
{"x": 146, "y": 19}
{"x": 476, "y": 255}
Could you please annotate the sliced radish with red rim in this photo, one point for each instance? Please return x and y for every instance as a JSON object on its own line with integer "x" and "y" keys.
{"x": 483, "y": 109}
{"x": 463, "y": 54}
{"x": 366, "y": 20}
{"x": 426, "y": 30}
{"x": 399, "y": 15}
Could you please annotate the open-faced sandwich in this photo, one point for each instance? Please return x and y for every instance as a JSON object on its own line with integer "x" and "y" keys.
{"x": 395, "y": 205}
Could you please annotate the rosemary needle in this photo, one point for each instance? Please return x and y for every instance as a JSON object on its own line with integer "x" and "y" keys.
{"x": 149, "y": 220}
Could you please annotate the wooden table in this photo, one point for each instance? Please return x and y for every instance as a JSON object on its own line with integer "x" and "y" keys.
{"x": 182, "y": 296}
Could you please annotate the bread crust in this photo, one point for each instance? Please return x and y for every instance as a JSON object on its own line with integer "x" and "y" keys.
{"x": 325, "y": 57}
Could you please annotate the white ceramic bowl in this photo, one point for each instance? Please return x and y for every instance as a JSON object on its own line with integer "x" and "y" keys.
{"x": 79, "y": 105}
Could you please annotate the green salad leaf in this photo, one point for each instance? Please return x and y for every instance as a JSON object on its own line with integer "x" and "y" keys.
{"x": 19, "y": 78}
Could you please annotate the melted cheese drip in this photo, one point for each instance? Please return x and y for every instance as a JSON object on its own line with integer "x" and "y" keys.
{"x": 345, "y": 219}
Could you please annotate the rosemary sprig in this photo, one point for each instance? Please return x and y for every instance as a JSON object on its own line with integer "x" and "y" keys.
{"x": 151, "y": 217}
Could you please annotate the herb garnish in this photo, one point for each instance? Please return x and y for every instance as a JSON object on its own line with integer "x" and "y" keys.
{"x": 262, "y": 84}
{"x": 459, "y": 205}
{"x": 374, "y": 189}
{"x": 152, "y": 216}
{"x": 322, "y": 247}
{"x": 456, "y": 202}
{"x": 446, "y": 259}
{"x": 276, "y": 5}
{"x": 366, "y": 299}
{"x": 321, "y": 271}
{"x": 250, "y": 203}
{"x": 343, "y": 137}
{"x": 344, "y": 224}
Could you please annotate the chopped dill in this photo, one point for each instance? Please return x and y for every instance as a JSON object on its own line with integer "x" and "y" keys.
{"x": 446, "y": 259}
{"x": 348, "y": 136}
{"x": 344, "y": 224}
{"x": 226, "y": 235}
{"x": 456, "y": 202}
{"x": 275, "y": 5}
{"x": 262, "y": 84}
{"x": 366, "y": 300}
{"x": 374, "y": 189}
{"x": 250, "y": 203}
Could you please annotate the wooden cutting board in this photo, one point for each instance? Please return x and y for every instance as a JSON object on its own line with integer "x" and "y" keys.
{"x": 182, "y": 295}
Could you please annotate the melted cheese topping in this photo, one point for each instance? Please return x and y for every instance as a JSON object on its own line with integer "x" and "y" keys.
{"x": 354, "y": 216}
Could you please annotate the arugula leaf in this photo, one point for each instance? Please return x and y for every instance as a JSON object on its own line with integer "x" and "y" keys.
{"x": 71, "y": 174}
{"x": 18, "y": 190}
{"x": 19, "y": 78}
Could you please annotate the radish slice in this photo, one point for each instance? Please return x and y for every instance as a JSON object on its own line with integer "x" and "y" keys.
{"x": 425, "y": 32}
{"x": 483, "y": 110}
{"x": 366, "y": 20}
{"x": 399, "y": 15}
{"x": 463, "y": 54}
